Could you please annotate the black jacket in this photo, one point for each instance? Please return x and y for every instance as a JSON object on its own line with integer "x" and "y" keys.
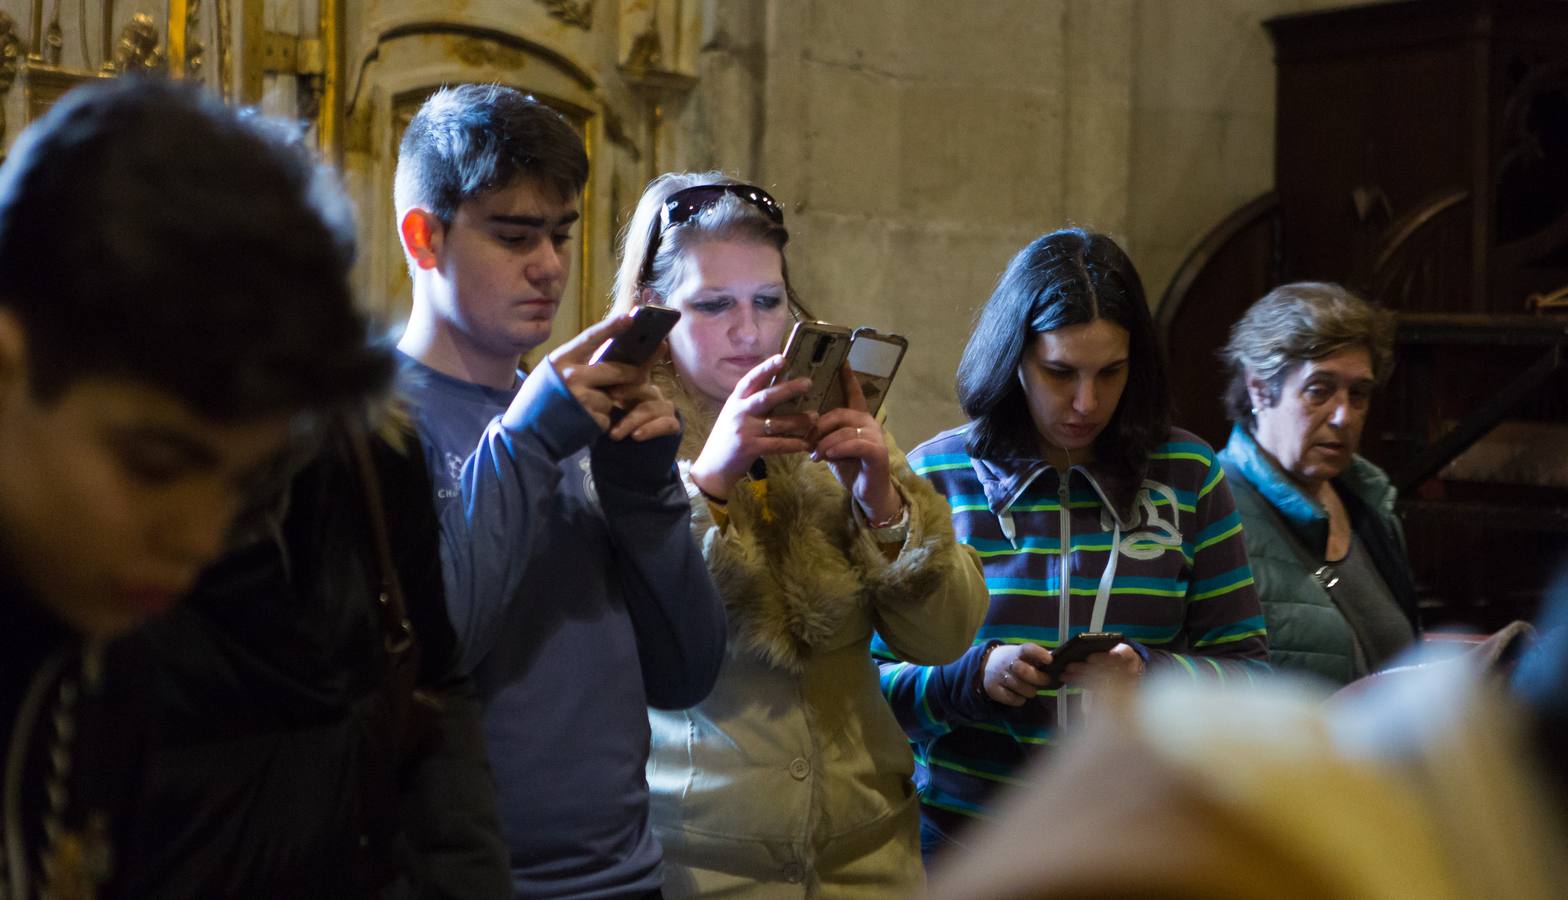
{"x": 58, "y": 696}
{"x": 263, "y": 781}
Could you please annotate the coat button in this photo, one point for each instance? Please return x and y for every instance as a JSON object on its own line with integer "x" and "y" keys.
{"x": 799, "y": 769}
{"x": 794, "y": 873}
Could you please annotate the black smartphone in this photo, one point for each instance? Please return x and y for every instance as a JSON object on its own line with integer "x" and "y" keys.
{"x": 814, "y": 350}
{"x": 874, "y": 358}
{"x": 1080, "y": 647}
{"x": 650, "y": 323}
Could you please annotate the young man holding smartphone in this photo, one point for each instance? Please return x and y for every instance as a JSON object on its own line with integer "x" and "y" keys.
{"x": 573, "y": 581}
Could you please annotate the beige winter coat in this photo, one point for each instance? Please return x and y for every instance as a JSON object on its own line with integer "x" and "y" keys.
{"x": 793, "y": 779}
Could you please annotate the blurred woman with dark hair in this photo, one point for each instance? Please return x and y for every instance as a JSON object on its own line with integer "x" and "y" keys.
{"x": 1326, "y": 545}
{"x": 1069, "y": 467}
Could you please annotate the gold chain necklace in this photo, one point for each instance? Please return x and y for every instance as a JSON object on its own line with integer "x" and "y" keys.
{"x": 73, "y": 864}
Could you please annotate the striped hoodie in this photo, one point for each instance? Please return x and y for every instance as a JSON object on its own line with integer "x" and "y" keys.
{"x": 1178, "y": 586}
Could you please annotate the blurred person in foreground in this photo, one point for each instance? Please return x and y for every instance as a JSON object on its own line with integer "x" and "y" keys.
{"x": 174, "y": 317}
{"x": 1439, "y": 782}
{"x": 1327, "y": 547}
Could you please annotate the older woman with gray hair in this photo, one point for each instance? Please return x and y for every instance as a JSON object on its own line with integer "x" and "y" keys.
{"x": 1327, "y": 549}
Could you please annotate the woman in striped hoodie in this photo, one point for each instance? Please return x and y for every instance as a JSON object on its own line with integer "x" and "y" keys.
{"x": 1069, "y": 466}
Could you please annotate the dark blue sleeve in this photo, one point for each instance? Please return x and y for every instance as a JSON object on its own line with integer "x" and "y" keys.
{"x": 673, "y": 604}
{"x": 928, "y": 700}
{"x": 488, "y": 532}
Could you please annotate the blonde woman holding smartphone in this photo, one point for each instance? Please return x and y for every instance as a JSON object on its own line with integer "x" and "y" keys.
{"x": 792, "y": 778}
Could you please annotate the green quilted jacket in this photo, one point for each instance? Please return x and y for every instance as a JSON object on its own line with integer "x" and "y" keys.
{"x": 1285, "y": 534}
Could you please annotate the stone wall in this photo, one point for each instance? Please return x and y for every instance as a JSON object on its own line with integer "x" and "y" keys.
{"x": 918, "y": 144}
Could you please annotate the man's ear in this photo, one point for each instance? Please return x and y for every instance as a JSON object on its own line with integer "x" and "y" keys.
{"x": 421, "y": 233}
{"x": 13, "y": 354}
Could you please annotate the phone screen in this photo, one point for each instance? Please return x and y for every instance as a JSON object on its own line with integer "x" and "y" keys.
{"x": 874, "y": 362}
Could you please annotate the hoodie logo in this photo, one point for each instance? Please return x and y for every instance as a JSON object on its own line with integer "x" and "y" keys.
{"x": 1153, "y": 527}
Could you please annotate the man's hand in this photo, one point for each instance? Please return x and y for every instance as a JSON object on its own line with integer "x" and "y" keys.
{"x": 591, "y": 384}
{"x": 648, "y": 413}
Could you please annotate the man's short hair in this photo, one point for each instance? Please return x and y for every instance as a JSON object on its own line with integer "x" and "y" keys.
{"x": 469, "y": 140}
{"x": 148, "y": 232}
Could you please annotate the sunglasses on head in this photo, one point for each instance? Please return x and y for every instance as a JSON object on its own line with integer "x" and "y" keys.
{"x": 684, "y": 204}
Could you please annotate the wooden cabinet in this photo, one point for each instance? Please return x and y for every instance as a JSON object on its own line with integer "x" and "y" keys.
{"x": 1422, "y": 150}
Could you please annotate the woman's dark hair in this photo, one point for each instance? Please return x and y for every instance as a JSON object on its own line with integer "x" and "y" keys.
{"x": 1067, "y": 277}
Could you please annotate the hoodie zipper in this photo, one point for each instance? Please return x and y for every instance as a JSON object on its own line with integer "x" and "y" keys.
{"x": 1064, "y": 603}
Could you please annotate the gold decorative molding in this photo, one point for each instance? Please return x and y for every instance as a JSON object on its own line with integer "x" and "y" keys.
{"x": 486, "y": 54}
{"x": 655, "y": 83}
{"x": 647, "y": 48}
{"x": 137, "y": 49}
{"x": 578, "y": 13}
{"x": 225, "y": 56}
{"x": 195, "y": 51}
{"x": 615, "y": 130}
{"x": 181, "y": 34}
{"x": 43, "y": 84}
{"x": 54, "y": 39}
{"x": 10, "y": 62}
{"x": 644, "y": 70}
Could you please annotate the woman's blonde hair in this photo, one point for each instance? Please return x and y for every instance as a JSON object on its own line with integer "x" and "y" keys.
{"x": 1298, "y": 322}
{"x": 729, "y": 218}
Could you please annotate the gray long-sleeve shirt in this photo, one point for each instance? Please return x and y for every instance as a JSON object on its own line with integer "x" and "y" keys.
{"x": 580, "y": 599}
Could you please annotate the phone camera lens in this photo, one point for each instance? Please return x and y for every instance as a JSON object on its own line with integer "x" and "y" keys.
{"x": 821, "y": 349}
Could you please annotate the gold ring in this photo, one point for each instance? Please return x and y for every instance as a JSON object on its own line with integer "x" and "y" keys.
{"x": 858, "y": 430}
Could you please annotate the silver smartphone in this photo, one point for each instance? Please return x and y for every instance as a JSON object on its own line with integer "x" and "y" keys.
{"x": 874, "y": 358}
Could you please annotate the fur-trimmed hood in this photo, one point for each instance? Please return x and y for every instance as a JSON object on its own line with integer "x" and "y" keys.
{"x": 798, "y": 571}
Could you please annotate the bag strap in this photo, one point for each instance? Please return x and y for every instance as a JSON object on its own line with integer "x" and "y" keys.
{"x": 397, "y": 631}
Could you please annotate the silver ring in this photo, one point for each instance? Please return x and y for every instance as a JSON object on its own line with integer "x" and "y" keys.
{"x": 767, "y": 427}
{"x": 858, "y": 430}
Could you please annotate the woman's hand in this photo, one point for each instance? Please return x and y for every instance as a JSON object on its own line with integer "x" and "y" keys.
{"x": 746, "y": 429}
{"x": 851, "y": 441}
{"x": 1013, "y": 672}
{"x": 1119, "y": 665}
